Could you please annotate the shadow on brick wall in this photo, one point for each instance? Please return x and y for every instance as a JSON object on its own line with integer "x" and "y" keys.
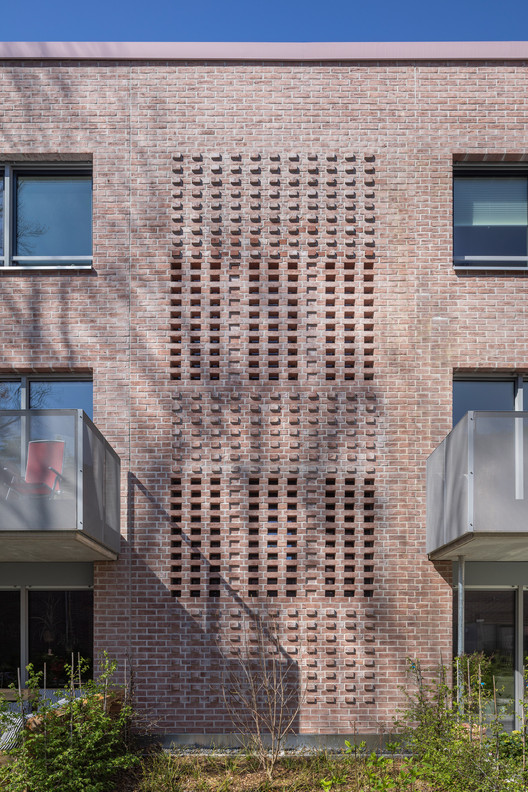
{"x": 186, "y": 655}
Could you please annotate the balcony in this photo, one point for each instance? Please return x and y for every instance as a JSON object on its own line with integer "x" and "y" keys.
{"x": 477, "y": 490}
{"x": 59, "y": 488}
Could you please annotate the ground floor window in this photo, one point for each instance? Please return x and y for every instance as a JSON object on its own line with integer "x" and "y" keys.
{"x": 489, "y": 629}
{"x": 10, "y": 631}
{"x": 495, "y": 624}
{"x": 44, "y": 627}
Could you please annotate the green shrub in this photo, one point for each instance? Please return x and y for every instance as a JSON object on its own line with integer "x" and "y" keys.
{"x": 511, "y": 745}
{"x": 464, "y": 749}
{"x": 76, "y": 747}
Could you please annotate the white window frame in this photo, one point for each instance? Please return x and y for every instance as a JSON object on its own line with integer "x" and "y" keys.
{"x": 11, "y": 262}
{"x": 487, "y": 170}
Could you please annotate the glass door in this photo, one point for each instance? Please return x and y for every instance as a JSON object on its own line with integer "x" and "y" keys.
{"x": 10, "y": 641}
{"x": 489, "y": 629}
{"x": 59, "y": 626}
{"x": 44, "y": 627}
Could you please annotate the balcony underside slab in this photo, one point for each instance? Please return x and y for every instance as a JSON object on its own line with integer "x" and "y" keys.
{"x": 485, "y": 547}
{"x": 51, "y": 546}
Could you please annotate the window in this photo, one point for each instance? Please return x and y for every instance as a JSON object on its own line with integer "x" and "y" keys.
{"x": 10, "y": 644}
{"x": 500, "y": 394}
{"x": 490, "y": 630}
{"x": 47, "y": 393}
{"x": 490, "y": 218}
{"x": 44, "y": 627}
{"x": 59, "y": 623}
{"x": 47, "y": 216}
{"x": 40, "y": 394}
{"x": 473, "y": 394}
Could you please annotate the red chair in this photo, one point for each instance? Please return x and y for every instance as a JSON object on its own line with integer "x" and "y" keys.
{"x": 43, "y": 470}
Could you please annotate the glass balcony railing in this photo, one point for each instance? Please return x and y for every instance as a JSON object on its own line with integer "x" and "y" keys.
{"x": 477, "y": 489}
{"x": 59, "y": 488}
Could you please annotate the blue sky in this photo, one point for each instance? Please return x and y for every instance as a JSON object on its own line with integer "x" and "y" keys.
{"x": 267, "y": 20}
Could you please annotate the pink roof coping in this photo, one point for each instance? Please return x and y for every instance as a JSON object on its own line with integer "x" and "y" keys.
{"x": 265, "y": 51}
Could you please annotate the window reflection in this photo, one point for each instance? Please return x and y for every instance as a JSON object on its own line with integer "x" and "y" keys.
{"x": 482, "y": 395}
{"x": 10, "y": 637}
{"x": 53, "y": 215}
{"x": 490, "y": 629}
{"x": 61, "y": 395}
{"x": 10, "y": 429}
{"x": 490, "y": 216}
{"x": 27, "y": 448}
{"x": 60, "y": 624}
{"x": 9, "y": 395}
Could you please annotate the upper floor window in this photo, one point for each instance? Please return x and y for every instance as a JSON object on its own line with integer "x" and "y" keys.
{"x": 47, "y": 216}
{"x": 490, "y": 218}
{"x": 41, "y": 394}
{"x": 47, "y": 393}
{"x": 485, "y": 394}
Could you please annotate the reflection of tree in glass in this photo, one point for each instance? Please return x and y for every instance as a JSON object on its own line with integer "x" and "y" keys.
{"x": 49, "y": 623}
{"x": 39, "y": 393}
{"x": 9, "y": 395}
{"x": 56, "y": 622}
{"x": 53, "y": 634}
{"x": 10, "y": 426}
{"x": 26, "y": 230}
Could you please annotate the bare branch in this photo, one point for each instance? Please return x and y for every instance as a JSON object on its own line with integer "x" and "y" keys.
{"x": 262, "y": 690}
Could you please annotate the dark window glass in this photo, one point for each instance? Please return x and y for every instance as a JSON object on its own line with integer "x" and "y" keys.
{"x": 482, "y": 395}
{"x": 61, "y": 395}
{"x": 489, "y": 629}
{"x": 525, "y": 630}
{"x": 10, "y": 637}
{"x": 490, "y": 218}
{"x": 53, "y": 216}
{"x": 60, "y": 623}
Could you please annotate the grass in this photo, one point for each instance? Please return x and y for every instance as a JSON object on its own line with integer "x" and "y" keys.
{"x": 316, "y": 772}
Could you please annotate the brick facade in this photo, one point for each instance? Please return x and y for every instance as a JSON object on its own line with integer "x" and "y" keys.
{"x": 272, "y": 322}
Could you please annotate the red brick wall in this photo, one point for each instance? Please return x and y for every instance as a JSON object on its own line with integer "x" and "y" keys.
{"x": 272, "y": 323}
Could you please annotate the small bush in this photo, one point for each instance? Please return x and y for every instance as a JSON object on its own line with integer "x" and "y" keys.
{"x": 78, "y": 746}
{"x": 464, "y": 749}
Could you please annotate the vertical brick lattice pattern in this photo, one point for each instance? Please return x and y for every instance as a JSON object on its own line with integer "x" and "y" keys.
{"x": 274, "y": 409}
{"x": 273, "y": 255}
{"x": 272, "y": 535}
{"x": 271, "y": 356}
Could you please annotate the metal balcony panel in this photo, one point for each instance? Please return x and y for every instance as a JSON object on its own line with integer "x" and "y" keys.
{"x": 476, "y": 486}
{"x": 61, "y": 508}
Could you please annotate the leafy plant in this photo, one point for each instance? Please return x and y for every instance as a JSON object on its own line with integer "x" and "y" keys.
{"x": 455, "y": 735}
{"x": 75, "y": 745}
